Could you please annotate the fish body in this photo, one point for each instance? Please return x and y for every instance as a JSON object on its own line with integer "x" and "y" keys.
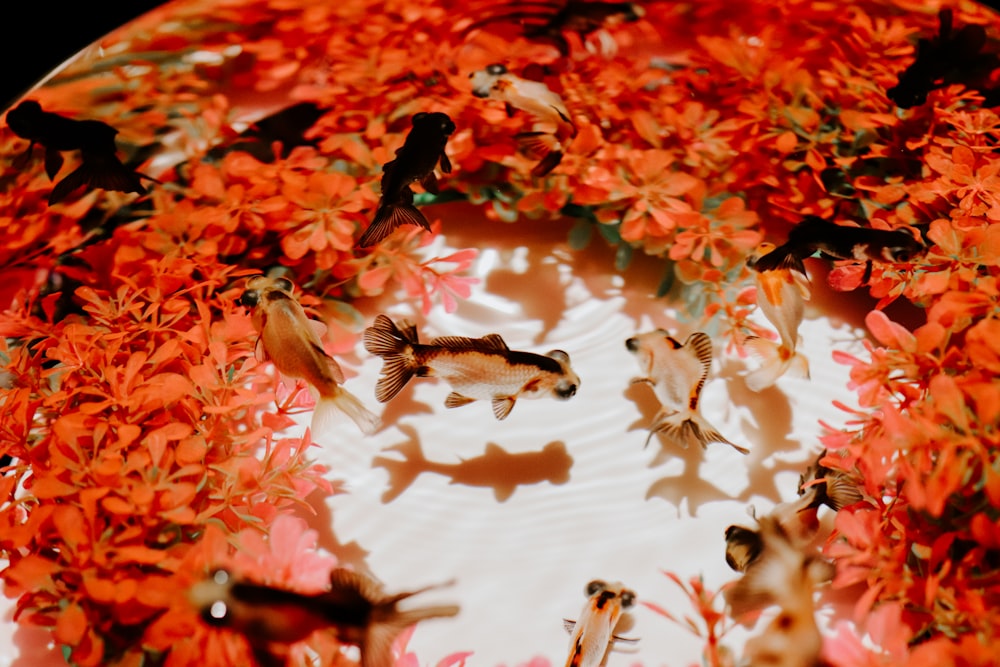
{"x": 291, "y": 341}
{"x": 863, "y": 244}
{"x": 476, "y": 368}
{"x": 781, "y": 296}
{"x": 354, "y": 607}
{"x": 593, "y": 632}
{"x": 95, "y": 140}
{"x": 784, "y": 575}
{"x": 534, "y": 97}
{"x": 422, "y": 149}
{"x": 496, "y": 468}
{"x": 677, "y": 373}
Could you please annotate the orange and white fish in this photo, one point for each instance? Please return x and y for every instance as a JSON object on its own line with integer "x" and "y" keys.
{"x": 476, "y": 368}
{"x": 781, "y": 296}
{"x": 594, "y": 632}
{"x": 784, "y": 575}
{"x": 677, "y": 374}
{"x": 292, "y": 341}
{"x": 270, "y": 619}
{"x": 534, "y": 97}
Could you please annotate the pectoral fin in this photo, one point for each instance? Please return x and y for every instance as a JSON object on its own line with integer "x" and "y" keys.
{"x": 456, "y": 400}
{"x": 53, "y": 162}
{"x": 502, "y": 405}
{"x": 430, "y": 182}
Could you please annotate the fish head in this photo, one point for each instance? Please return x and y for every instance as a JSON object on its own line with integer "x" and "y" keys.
{"x": 758, "y": 252}
{"x": 743, "y": 547}
{"x": 260, "y": 288}
{"x": 567, "y": 381}
{"x": 436, "y": 122}
{"x": 903, "y": 249}
{"x": 649, "y": 348}
{"x": 484, "y": 80}
{"x": 609, "y": 595}
{"x": 210, "y": 597}
{"x": 23, "y": 118}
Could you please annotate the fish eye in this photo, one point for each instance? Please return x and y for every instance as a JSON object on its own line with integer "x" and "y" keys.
{"x": 496, "y": 69}
{"x": 565, "y": 390}
{"x": 249, "y": 298}
{"x": 632, "y": 344}
{"x": 627, "y": 598}
{"x": 284, "y": 284}
{"x": 595, "y": 586}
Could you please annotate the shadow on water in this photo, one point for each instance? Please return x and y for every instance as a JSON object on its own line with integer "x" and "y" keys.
{"x": 321, "y": 520}
{"x": 690, "y": 484}
{"x": 496, "y": 468}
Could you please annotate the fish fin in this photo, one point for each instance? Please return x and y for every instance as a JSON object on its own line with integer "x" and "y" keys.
{"x": 502, "y": 405}
{"x": 384, "y": 338}
{"x": 336, "y": 372}
{"x": 387, "y": 218}
{"x": 699, "y": 345}
{"x": 396, "y": 372}
{"x": 328, "y": 408}
{"x": 430, "y": 183}
{"x": 490, "y": 342}
{"x": 774, "y": 364}
{"x": 456, "y": 400}
{"x": 318, "y": 327}
{"x": 510, "y": 109}
{"x": 537, "y": 145}
{"x": 687, "y": 426}
{"x": 259, "y": 351}
{"x": 445, "y": 163}
{"x": 568, "y": 625}
{"x": 53, "y": 162}
{"x": 802, "y": 283}
{"x": 781, "y": 258}
{"x": 548, "y": 163}
{"x": 409, "y": 332}
{"x": 103, "y": 174}
{"x": 645, "y": 381}
{"x": 624, "y": 640}
{"x": 561, "y": 114}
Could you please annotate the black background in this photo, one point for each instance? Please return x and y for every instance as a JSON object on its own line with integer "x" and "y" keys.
{"x": 38, "y": 35}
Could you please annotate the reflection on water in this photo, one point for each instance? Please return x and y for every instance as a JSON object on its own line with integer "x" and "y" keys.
{"x": 496, "y": 468}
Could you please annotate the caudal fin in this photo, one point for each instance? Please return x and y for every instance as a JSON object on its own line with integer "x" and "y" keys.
{"x": 775, "y": 361}
{"x": 689, "y": 426}
{"x": 103, "y": 173}
{"x": 542, "y": 146}
{"x": 385, "y": 621}
{"x": 392, "y": 343}
{"x": 328, "y": 409}
{"x": 390, "y": 216}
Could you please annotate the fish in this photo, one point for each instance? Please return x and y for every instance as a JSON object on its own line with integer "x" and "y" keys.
{"x": 592, "y": 634}
{"x": 743, "y": 547}
{"x": 534, "y": 97}
{"x": 99, "y": 167}
{"x": 496, "y": 468}
{"x": 951, "y": 56}
{"x": 354, "y": 607}
{"x": 421, "y": 152}
{"x": 677, "y": 374}
{"x": 829, "y": 486}
{"x": 547, "y": 20}
{"x": 863, "y": 244}
{"x": 781, "y": 296}
{"x": 292, "y": 342}
{"x": 784, "y": 575}
{"x": 476, "y": 368}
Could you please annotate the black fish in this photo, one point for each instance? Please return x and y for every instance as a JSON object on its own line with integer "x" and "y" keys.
{"x": 354, "y": 607}
{"x": 415, "y": 161}
{"x": 952, "y": 56}
{"x": 835, "y": 241}
{"x": 546, "y": 21}
{"x": 100, "y": 166}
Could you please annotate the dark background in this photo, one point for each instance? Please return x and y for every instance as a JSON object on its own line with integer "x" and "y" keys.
{"x": 38, "y": 35}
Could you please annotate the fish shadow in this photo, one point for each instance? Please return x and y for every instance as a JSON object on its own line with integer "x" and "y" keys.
{"x": 402, "y": 405}
{"x": 320, "y": 519}
{"x": 524, "y": 288}
{"x": 689, "y": 485}
{"x": 496, "y": 468}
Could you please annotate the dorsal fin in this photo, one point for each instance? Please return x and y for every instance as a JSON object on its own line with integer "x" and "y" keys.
{"x": 700, "y": 346}
{"x": 488, "y": 343}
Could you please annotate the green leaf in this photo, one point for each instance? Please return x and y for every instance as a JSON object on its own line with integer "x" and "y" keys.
{"x": 580, "y": 234}
{"x": 623, "y": 256}
{"x": 668, "y": 280}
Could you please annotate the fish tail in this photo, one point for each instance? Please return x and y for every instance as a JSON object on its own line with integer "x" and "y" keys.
{"x": 686, "y": 426}
{"x": 776, "y": 360}
{"x": 395, "y": 346}
{"x": 341, "y": 401}
{"x": 542, "y": 146}
{"x": 103, "y": 173}
{"x": 385, "y": 621}
{"x": 388, "y": 217}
